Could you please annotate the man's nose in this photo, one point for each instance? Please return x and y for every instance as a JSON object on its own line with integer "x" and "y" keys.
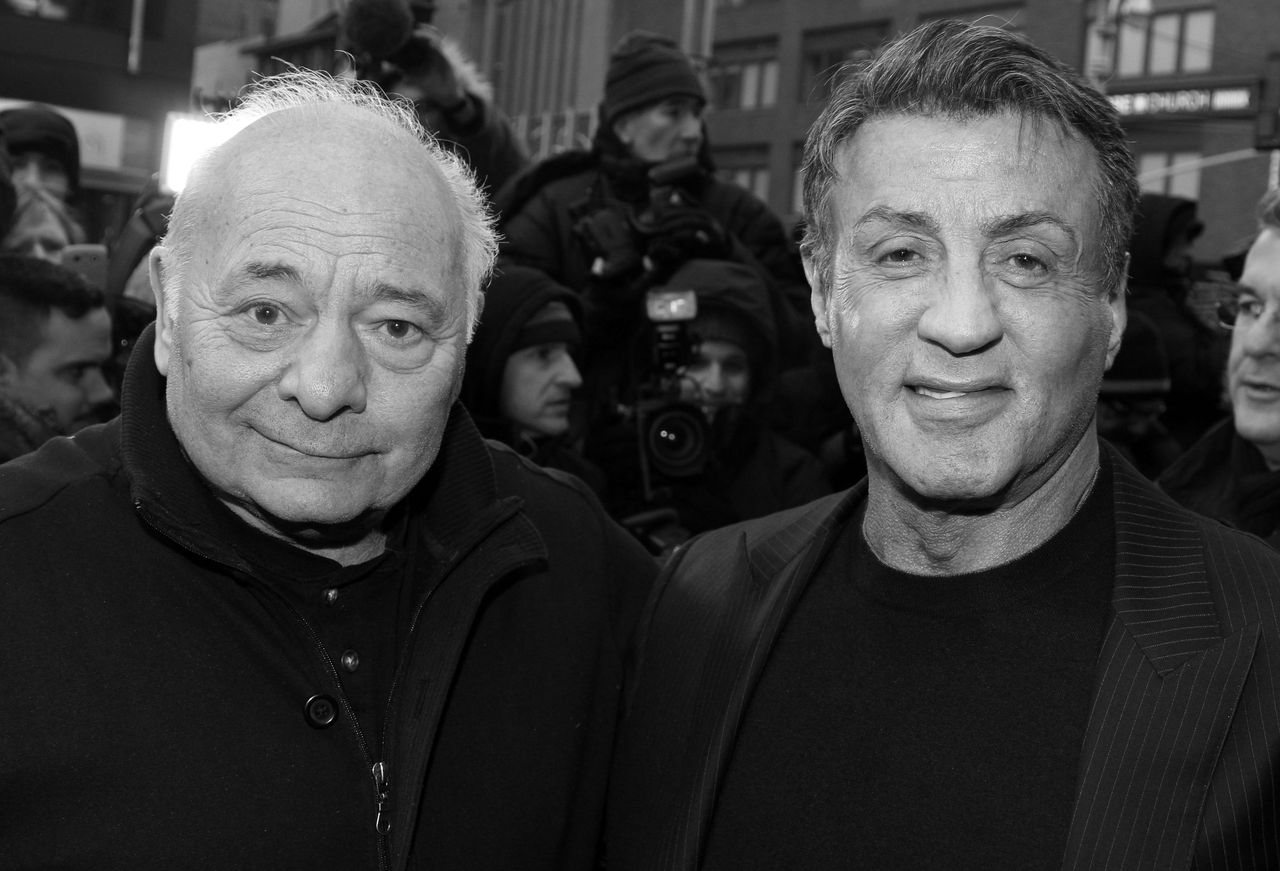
{"x": 961, "y": 314}
{"x": 568, "y": 374}
{"x": 327, "y": 373}
{"x": 691, "y": 128}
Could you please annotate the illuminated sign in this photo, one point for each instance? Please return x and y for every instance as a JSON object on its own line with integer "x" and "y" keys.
{"x": 1222, "y": 100}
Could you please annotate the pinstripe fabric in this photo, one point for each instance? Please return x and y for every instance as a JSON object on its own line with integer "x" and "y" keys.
{"x": 1181, "y": 763}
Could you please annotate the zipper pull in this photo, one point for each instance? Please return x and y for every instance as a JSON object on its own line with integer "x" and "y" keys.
{"x": 382, "y": 823}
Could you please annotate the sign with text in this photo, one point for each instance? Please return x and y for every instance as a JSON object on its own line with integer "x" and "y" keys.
{"x": 1238, "y": 100}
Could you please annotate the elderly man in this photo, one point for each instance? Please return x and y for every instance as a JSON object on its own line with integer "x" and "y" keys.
{"x": 1233, "y": 472}
{"x": 289, "y": 609}
{"x": 1004, "y": 649}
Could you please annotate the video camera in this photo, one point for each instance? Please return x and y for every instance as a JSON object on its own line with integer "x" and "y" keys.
{"x": 666, "y": 439}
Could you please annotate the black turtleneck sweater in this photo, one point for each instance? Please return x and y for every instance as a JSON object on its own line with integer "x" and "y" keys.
{"x": 907, "y": 721}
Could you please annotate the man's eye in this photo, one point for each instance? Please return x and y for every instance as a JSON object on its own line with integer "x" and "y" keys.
{"x": 1028, "y": 263}
{"x": 900, "y": 255}
{"x": 400, "y": 329}
{"x": 1250, "y": 308}
{"x": 266, "y": 314}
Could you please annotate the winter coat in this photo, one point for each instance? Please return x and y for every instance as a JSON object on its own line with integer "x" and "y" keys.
{"x": 1225, "y": 477}
{"x": 168, "y": 707}
{"x": 21, "y": 429}
{"x": 542, "y": 214}
{"x": 1196, "y": 353}
{"x": 486, "y": 140}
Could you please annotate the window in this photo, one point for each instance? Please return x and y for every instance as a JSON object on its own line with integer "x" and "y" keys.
{"x": 746, "y": 167}
{"x": 114, "y": 15}
{"x": 1163, "y": 44}
{"x": 744, "y": 76}
{"x": 823, "y": 53}
{"x": 1007, "y": 16}
{"x": 753, "y": 178}
{"x": 1176, "y": 173}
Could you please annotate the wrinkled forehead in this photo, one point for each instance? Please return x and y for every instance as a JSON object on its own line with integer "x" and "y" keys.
{"x": 333, "y": 165}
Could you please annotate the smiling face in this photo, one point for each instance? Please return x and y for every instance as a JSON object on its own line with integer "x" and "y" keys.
{"x": 969, "y": 329}
{"x": 318, "y": 336}
{"x": 1253, "y": 365}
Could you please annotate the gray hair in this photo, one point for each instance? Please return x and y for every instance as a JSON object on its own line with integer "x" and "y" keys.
{"x": 949, "y": 68}
{"x": 1269, "y": 210}
{"x": 310, "y": 89}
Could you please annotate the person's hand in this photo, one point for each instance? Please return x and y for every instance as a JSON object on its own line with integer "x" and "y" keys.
{"x": 680, "y": 233}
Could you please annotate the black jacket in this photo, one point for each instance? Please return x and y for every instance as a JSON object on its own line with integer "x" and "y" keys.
{"x": 156, "y": 684}
{"x": 542, "y": 221}
{"x": 1223, "y": 476}
{"x": 1178, "y": 765}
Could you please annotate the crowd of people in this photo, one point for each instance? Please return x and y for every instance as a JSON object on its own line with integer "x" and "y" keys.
{"x": 391, "y": 500}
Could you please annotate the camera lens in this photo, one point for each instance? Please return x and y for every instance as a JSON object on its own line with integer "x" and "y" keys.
{"x": 677, "y": 440}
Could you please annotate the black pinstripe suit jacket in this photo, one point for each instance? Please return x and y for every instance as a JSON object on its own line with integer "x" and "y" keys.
{"x": 1180, "y": 766}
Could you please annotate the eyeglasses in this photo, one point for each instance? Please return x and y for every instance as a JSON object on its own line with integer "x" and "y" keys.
{"x": 1242, "y": 306}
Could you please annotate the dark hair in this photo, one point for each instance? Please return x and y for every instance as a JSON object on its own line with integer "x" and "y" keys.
{"x": 949, "y": 68}
{"x": 30, "y": 289}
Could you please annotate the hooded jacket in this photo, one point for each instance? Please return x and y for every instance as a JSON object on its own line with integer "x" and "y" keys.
{"x": 1225, "y": 477}
{"x": 168, "y": 707}
{"x": 515, "y": 295}
{"x": 1196, "y": 354}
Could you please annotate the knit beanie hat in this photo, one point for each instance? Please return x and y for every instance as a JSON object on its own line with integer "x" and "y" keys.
{"x": 1141, "y": 368}
{"x": 523, "y": 307}
{"x": 647, "y": 68}
{"x": 36, "y": 127}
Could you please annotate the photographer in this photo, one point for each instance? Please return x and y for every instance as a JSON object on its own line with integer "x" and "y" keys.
{"x": 620, "y": 218}
{"x": 521, "y": 375}
{"x": 696, "y": 442}
{"x": 396, "y": 46}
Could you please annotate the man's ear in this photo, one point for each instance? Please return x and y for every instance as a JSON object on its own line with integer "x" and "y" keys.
{"x": 818, "y": 301}
{"x": 1119, "y": 317}
{"x": 159, "y": 261}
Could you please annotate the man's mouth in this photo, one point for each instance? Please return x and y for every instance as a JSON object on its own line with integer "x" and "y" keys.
{"x": 938, "y": 394}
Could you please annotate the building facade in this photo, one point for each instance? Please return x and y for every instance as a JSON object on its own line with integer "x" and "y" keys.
{"x": 1194, "y": 80}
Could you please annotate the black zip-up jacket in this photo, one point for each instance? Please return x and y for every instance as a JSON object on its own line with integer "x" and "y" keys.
{"x": 156, "y": 686}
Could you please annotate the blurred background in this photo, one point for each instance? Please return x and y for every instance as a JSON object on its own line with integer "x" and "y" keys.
{"x": 1197, "y": 81}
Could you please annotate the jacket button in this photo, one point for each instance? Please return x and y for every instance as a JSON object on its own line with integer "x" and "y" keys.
{"x": 330, "y": 595}
{"x": 350, "y": 660}
{"x": 321, "y": 711}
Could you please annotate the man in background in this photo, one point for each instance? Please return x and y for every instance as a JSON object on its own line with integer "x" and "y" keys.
{"x": 55, "y": 341}
{"x": 44, "y": 147}
{"x": 1233, "y": 472}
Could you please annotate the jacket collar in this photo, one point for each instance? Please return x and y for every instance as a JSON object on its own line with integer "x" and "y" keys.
{"x": 173, "y": 498}
{"x": 1161, "y": 593}
{"x": 1165, "y": 616}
